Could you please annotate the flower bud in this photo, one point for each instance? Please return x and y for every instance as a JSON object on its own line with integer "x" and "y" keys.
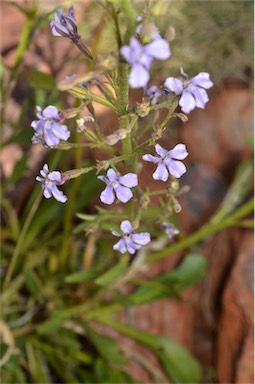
{"x": 143, "y": 108}
{"x": 184, "y": 118}
{"x": 148, "y": 32}
{"x": 113, "y": 138}
{"x": 170, "y": 33}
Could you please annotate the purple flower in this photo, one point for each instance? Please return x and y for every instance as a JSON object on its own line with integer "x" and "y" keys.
{"x": 170, "y": 230}
{"x": 130, "y": 241}
{"x": 47, "y": 129}
{"x": 65, "y": 26}
{"x": 119, "y": 184}
{"x": 49, "y": 181}
{"x": 154, "y": 94}
{"x": 192, "y": 91}
{"x": 141, "y": 56}
{"x": 167, "y": 162}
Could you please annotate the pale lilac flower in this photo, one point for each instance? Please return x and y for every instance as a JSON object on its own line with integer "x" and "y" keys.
{"x": 63, "y": 25}
{"x": 192, "y": 90}
{"x": 49, "y": 182}
{"x": 130, "y": 241}
{"x": 167, "y": 162}
{"x": 48, "y": 129}
{"x": 119, "y": 185}
{"x": 154, "y": 94}
{"x": 141, "y": 56}
{"x": 170, "y": 229}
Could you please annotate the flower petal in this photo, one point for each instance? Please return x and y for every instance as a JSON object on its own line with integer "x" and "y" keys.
{"x": 178, "y": 152}
{"x": 160, "y": 151}
{"x": 58, "y": 195}
{"x": 131, "y": 247}
{"x": 55, "y": 176}
{"x": 202, "y": 80}
{"x": 126, "y": 52}
{"x": 158, "y": 48}
{"x": 104, "y": 179}
{"x": 129, "y": 180}
{"x": 176, "y": 168}
{"x": 50, "y": 139}
{"x": 139, "y": 76}
{"x": 47, "y": 193}
{"x": 55, "y": 25}
{"x": 60, "y": 131}
{"x": 124, "y": 194}
{"x": 115, "y": 233}
{"x": 50, "y": 112}
{"x": 151, "y": 158}
{"x": 183, "y": 73}
{"x": 174, "y": 85}
{"x": 141, "y": 238}
{"x": 126, "y": 227}
{"x": 201, "y": 97}
{"x": 111, "y": 174}
{"x": 187, "y": 102}
{"x": 161, "y": 172}
{"x": 120, "y": 246}
{"x": 107, "y": 196}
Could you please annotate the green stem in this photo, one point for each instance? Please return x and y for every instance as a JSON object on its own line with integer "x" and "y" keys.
{"x": 208, "y": 230}
{"x": 92, "y": 97}
{"x": 69, "y": 209}
{"x": 24, "y": 42}
{"x": 21, "y": 237}
{"x": 169, "y": 115}
{"x": 138, "y": 335}
{"x": 130, "y": 14}
{"x": 122, "y": 107}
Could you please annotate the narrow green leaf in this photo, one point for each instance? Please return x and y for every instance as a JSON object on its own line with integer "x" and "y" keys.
{"x": 113, "y": 273}
{"x": 81, "y": 277}
{"x": 33, "y": 284}
{"x": 190, "y": 271}
{"x": 38, "y": 79}
{"x": 37, "y": 366}
{"x": 106, "y": 346}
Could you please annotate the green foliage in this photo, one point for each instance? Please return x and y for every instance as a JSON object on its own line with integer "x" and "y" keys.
{"x": 59, "y": 276}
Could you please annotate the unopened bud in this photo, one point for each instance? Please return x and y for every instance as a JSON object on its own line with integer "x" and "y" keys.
{"x": 73, "y": 173}
{"x": 170, "y": 33}
{"x": 182, "y": 117}
{"x": 69, "y": 113}
{"x": 143, "y": 108}
{"x": 177, "y": 208}
{"x": 145, "y": 201}
{"x": 81, "y": 123}
{"x": 112, "y": 139}
{"x": 175, "y": 185}
{"x": 103, "y": 165}
{"x": 148, "y": 32}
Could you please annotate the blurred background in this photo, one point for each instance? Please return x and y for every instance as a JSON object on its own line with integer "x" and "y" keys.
{"x": 43, "y": 241}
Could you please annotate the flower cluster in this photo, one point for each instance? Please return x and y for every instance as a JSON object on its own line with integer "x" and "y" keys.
{"x": 50, "y": 131}
{"x": 119, "y": 184}
{"x": 130, "y": 241}
{"x": 63, "y": 25}
{"x": 192, "y": 91}
{"x": 167, "y": 163}
{"x": 49, "y": 182}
